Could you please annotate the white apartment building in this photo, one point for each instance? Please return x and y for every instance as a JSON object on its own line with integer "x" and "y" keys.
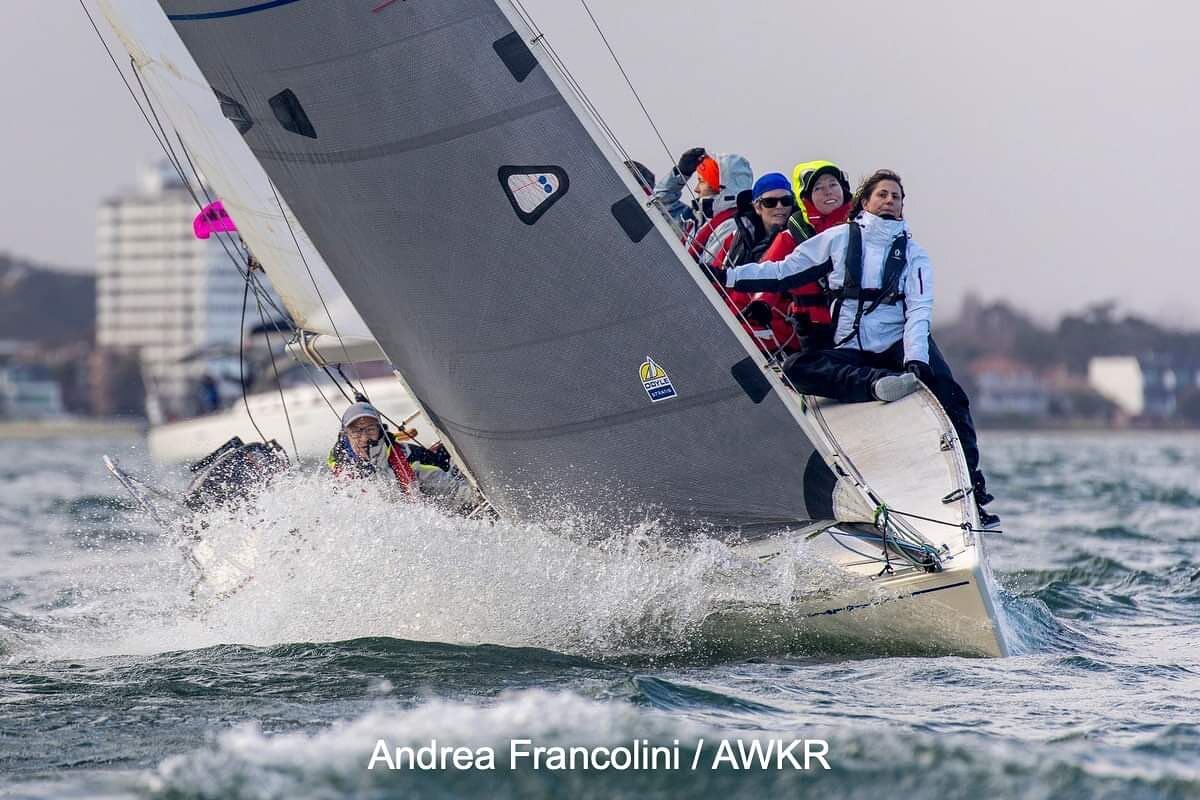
{"x": 160, "y": 291}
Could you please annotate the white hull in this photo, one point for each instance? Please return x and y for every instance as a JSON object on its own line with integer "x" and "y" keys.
{"x": 909, "y": 612}
{"x": 315, "y": 426}
{"x": 908, "y": 454}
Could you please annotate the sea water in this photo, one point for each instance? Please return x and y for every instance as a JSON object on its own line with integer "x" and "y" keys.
{"x": 362, "y": 624}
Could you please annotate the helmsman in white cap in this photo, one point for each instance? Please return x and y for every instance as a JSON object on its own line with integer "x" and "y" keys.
{"x": 366, "y": 449}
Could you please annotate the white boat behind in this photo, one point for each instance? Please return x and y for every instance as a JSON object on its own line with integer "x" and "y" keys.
{"x": 308, "y": 411}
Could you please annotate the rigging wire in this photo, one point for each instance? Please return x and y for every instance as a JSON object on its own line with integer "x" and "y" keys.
{"x": 261, "y": 294}
{"x": 226, "y": 240}
{"x": 628, "y": 82}
{"x": 121, "y": 73}
{"x": 577, "y": 88}
{"x": 278, "y": 383}
{"x": 242, "y": 362}
{"x": 965, "y": 526}
{"x": 166, "y": 140}
{"x": 316, "y": 288}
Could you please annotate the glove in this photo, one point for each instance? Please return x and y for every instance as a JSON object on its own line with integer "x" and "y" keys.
{"x": 689, "y": 161}
{"x": 758, "y": 313}
{"x": 716, "y": 273}
{"x": 921, "y": 370}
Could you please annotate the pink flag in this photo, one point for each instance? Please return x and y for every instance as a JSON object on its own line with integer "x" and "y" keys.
{"x": 212, "y": 219}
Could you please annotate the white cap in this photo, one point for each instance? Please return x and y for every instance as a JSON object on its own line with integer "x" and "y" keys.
{"x": 358, "y": 411}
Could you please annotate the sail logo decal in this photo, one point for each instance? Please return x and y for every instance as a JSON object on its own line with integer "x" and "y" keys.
{"x": 655, "y": 381}
{"x": 532, "y": 190}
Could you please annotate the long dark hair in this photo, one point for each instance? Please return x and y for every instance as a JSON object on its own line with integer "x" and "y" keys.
{"x": 868, "y": 186}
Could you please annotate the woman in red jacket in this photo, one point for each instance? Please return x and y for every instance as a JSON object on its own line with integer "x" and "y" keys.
{"x": 825, "y": 197}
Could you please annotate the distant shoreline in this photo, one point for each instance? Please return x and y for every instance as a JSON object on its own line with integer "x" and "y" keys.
{"x": 1081, "y": 426}
{"x": 77, "y": 427}
{"x": 85, "y": 428}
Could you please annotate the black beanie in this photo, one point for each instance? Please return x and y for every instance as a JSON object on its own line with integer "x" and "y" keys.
{"x": 829, "y": 169}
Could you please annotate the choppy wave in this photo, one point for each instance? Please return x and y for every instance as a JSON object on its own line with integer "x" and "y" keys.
{"x": 245, "y": 763}
{"x": 363, "y": 619}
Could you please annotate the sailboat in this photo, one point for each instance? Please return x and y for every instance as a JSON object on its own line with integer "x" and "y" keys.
{"x": 479, "y": 216}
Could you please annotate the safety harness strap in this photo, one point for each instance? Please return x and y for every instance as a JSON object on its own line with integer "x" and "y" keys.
{"x": 887, "y": 294}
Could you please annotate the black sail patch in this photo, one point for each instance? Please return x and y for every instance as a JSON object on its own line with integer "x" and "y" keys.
{"x": 751, "y": 379}
{"x": 291, "y": 114}
{"x": 532, "y": 190}
{"x": 234, "y": 111}
{"x": 515, "y": 55}
{"x": 632, "y": 218}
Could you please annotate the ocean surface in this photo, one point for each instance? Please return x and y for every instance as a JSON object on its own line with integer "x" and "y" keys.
{"x": 365, "y": 621}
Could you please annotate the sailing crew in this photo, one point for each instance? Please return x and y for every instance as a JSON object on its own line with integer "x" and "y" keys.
{"x": 669, "y": 190}
{"x": 883, "y": 284}
{"x": 723, "y": 190}
{"x": 824, "y": 192}
{"x": 773, "y": 201}
{"x": 366, "y": 449}
{"x": 763, "y": 314}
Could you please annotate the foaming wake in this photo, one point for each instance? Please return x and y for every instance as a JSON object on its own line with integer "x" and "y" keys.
{"x": 317, "y": 561}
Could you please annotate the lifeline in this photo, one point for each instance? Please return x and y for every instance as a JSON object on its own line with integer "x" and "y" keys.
{"x": 524, "y": 754}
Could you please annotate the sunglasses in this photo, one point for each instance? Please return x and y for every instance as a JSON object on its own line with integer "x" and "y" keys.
{"x": 771, "y": 202}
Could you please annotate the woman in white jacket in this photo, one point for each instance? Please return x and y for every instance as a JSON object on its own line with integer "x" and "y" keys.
{"x": 883, "y": 284}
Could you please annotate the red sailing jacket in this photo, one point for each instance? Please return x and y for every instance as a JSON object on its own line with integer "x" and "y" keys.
{"x": 807, "y": 300}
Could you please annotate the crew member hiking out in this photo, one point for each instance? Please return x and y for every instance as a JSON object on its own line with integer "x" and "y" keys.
{"x": 882, "y": 282}
{"x": 723, "y": 188}
{"x": 824, "y": 193}
{"x": 763, "y": 314}
{"x": 668, "y": 192}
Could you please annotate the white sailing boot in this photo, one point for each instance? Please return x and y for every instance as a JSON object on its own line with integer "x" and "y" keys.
{"x": 891, "y": 388}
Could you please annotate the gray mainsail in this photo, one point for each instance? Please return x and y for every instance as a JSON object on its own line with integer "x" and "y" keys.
{"x": 501, "y": 261}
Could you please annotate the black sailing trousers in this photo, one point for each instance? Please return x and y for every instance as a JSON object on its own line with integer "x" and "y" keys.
{"x": 849, "y": 376}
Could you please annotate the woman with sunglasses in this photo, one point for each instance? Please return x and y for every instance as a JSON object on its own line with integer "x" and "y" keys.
{"x": 763, "y": 315}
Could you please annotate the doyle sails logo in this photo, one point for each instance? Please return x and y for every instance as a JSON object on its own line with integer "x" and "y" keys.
{"x": 655, "y": 381}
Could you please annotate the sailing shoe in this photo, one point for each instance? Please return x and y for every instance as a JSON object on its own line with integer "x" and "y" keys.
{"x": 982, "y": 497}
{"x": 891, "y": 388}
{"x": 987, "y": 520}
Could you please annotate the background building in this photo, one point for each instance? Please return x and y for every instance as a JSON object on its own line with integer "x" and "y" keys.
{"x": 29, "y": 392}
{"x": 1152, "y": 386}
{"x": 161, "y": 293}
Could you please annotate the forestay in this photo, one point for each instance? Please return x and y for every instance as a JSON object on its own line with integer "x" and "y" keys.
{"x": 496, "y": 251}
{"x": 186, "y": 105}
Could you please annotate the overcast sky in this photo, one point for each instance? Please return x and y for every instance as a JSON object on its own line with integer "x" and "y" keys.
{"x": 1040, "y": 142}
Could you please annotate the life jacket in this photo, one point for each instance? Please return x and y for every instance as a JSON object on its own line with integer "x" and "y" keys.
{"x": 766, "y": 319}
{"x": 808, "y": 305}
{"x": 747, "y": 239}
{"x": 867, "y": 300}
{"x": 388, "y": 456}
{"x": 698, "y": 245}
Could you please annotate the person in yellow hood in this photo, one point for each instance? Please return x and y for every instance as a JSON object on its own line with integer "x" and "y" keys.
{"x": 823, "y": 196}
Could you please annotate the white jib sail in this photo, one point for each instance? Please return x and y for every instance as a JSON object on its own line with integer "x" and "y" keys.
{"x": 187, "y": 106}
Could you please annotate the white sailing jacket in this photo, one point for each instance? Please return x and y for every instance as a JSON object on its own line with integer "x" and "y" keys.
{"x": 824, "y": 256}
